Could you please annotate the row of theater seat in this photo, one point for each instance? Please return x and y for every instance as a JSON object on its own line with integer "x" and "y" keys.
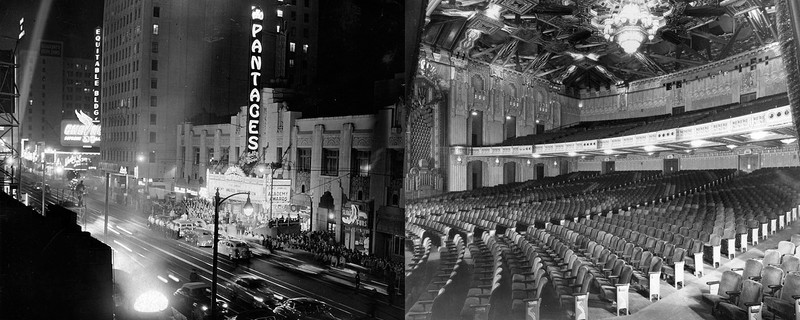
{"x": 649, "y": 234}
{"x": 446, "y": 284}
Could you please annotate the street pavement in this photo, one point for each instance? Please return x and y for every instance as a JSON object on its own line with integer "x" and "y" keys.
{"x": 153, "y": 260}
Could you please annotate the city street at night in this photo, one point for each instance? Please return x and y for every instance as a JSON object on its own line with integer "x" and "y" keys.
{"x": 152, "y": 260}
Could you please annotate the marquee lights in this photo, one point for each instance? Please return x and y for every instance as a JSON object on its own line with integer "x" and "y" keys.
{"x": 96, "y": 80}
{"x": 253, "y": 111}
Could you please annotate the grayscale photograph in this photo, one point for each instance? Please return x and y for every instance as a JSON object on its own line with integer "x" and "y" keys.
{"x": 202, "y": 159}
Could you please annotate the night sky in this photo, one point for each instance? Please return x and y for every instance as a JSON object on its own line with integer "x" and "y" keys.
{"x": 361, "y": 42}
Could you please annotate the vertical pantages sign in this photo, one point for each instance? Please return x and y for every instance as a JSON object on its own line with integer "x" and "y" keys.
{"x": 253, "y": 109}
{"x": 96, "y": 78}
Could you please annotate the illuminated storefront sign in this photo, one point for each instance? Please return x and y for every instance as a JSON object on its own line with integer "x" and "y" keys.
{"x": 75, "y": 161}
{"x": 354, "y": 216}
{"x": 81, "y": 132}
{"x": 253, "y": 111}
{"x": 96, "y": 79}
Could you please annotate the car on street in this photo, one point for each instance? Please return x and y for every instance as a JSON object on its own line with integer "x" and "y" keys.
{"x": 253, "y": 290}
{"x": 257, "y": 314}
{"x": 193, "y": 300}
{"x": 305, "y": 309}
{"x": 234, "y": 249}
{"x": 38, "y": 186}
{"x": 200, "y": 237}
{"x": 295, "y": 264}
{"x": 258, "y": 250}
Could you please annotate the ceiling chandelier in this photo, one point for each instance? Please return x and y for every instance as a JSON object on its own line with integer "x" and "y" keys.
{"x": 630, "y": 23}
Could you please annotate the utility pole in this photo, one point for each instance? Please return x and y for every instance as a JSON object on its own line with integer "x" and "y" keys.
{"x": 44, "y": 189}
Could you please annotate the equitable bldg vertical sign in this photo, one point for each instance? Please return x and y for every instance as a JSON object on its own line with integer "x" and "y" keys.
{"x": 253, "y": 110}
{"x": 96, "y": 78}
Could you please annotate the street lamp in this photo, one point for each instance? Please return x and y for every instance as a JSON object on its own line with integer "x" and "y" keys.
{"x": 247, "y": 210}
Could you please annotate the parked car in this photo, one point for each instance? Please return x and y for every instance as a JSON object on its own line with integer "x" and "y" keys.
{"x": 253, "y": 290}
{"x": 305, "y": 309}
{"x": 200, "y": 237}
{"x": 182, "y": 226}
{"x": 193, "y": 300}
{"x": 234, "y": 249}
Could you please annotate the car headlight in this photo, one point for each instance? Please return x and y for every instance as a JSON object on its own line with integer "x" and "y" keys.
{"x": 225, "y": 305}
{"x": 204, "y": 308}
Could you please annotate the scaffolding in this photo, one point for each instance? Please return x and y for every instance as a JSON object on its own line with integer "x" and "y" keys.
{"x": 10, "y": 137}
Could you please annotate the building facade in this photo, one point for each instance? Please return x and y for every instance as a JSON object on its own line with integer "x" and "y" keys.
{"x": 170, "y": 62}
{"x": 346, "y": 170}
{"x": 42, "y": 110}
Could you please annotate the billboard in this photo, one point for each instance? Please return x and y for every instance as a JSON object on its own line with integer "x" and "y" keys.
{"x": 80, "y": 133}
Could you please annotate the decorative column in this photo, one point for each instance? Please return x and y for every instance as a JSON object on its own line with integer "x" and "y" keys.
{"x": 494, "y": 175}
{"x": 458, "y": 173}
{"x": 218, "y": 144}
{"x": 203, "y": 155}
{"x": 187, "y": 156}
{"x": 321, "y": 220}
{"x": 179, "y": 161}
{"x": 345, "y": 156}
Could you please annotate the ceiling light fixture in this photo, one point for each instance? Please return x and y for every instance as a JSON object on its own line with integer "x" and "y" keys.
{"x": 634, "y": 23}
{"x": 758, "y": 135}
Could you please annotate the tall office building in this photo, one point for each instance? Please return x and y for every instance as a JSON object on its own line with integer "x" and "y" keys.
{"x": 169, "y": 62}
{"x": 41, "y": 119}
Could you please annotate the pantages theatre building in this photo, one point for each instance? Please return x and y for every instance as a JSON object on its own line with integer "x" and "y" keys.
{"x": 339, "y": 174}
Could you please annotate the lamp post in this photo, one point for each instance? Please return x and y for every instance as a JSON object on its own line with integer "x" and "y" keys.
{"x": 247, "y": 209}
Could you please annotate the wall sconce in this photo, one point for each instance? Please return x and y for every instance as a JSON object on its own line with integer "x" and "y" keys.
{"x": 529, "y": 162}
{"x": 474, "y": 113}
{"x": 458, "y": 159}
{"x": 496, "y": 160}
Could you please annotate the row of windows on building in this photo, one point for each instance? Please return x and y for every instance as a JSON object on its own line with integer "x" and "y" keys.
{"x": 293, "y": 15}
{"x": 123, "y": 155}
{"x": 130, "y": 136}
{"x": 122, "y": 70}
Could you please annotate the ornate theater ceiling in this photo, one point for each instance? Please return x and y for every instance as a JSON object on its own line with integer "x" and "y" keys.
{"x": 598, "y": 43}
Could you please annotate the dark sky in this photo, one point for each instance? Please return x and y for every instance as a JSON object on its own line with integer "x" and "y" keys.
{"x": 69, "y": 21}
{"x": 361, "y": 42}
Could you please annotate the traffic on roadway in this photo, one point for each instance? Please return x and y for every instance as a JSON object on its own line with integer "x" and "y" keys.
{"x": 154, "y": 265}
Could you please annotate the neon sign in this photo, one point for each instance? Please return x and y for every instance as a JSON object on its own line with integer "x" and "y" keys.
{"x": 253, "y": 111}
{"x": 96, "y": 80}
{"x": 82, "y": 132}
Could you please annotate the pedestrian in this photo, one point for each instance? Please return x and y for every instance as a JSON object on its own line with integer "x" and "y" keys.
{"x": 358, "y": 280}
{"x": 194, "y": 277}
{"x": 390, "y": 289}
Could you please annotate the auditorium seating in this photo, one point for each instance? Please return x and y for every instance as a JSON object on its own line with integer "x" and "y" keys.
{"x": 530, "y": 238}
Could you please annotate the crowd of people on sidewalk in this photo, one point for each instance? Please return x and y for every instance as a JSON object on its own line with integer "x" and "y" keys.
{"x": 199, "y": 208}
{"x": 327, "y": 251}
